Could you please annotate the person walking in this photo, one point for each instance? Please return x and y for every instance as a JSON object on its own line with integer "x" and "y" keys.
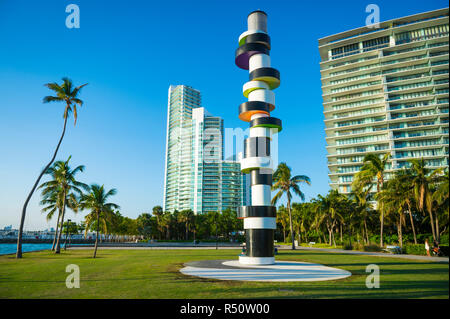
{"x": 427, "y": 247}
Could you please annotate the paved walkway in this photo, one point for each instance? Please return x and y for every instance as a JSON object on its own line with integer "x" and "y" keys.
{"x": 159, "y": 246}
{"x": 378, "y": 254}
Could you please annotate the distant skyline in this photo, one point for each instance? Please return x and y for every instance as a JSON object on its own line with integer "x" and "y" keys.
{"x": 129, "y": 53}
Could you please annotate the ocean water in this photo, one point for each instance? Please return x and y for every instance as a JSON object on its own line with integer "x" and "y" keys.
{"x": 11, "y": 248}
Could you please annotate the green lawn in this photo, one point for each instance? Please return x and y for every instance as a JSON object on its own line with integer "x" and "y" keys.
{"x": 154, "y": 274}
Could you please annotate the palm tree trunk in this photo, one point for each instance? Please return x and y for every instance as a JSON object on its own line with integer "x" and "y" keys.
{"x": 56, "y": 231}
{"x": 330, "y": 233}
{"x": 381, "y": 230}
{"x": 438, "y": 236}
{"x": 367, "y": 232}
{"x": 96, "y": 236}
{"x": 432, "y": 224}
{"x": 412, "y": 223}
{"x": 400, "y": 237}
{"x": 58, "y": 248}
{"x": 187, "y": 231}
{"x": 290, "y": 223}
{"x": 24, "y": 209}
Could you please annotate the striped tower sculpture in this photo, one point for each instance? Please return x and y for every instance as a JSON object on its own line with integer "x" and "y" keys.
{"x": 259, "y": 218}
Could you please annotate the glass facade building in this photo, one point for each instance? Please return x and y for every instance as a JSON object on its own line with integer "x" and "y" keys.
{"x": 385, "y": 90}
{"x": 196, "y": 175}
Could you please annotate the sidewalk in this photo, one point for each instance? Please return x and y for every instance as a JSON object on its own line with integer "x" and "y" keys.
{"x": 354, "y": 252}
{"x": 188, "y": 245}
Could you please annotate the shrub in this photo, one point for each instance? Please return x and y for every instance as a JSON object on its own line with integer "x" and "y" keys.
{"x": 444, "y": 250}
{"x": 421, "y": 238}
{"x": 444, "y": 239}
{"x": 372, "y": 247}
{"x": 348, "y": 246}
{"x": 412, "y": 249}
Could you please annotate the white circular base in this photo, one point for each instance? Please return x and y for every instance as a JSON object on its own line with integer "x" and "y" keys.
{"x": 281, "y": 271}
{"x": 245, "y": 260}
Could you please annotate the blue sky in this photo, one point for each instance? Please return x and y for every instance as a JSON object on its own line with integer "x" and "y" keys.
{"x": 130, "y": 52}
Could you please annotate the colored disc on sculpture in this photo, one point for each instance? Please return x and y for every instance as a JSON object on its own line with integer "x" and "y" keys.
{"x": 256, "y": 211}
{"x": 254, "y": 85}
{"x": 269, "y": 75}
{"x": 251, "y": 163}
{"x": 245, "y": 51}
{"x": 247, "y": 109}
{"x": 257, "y": 177}
{"x": 244, "y": 35}
{"x": 261, "y": 38}
{"x": 269, "y": 122}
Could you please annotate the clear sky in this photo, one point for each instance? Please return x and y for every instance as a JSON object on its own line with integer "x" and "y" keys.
{"x": 130, "y": 52}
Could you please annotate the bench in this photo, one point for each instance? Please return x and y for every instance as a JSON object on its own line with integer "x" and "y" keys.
{"x": 393, "y": 249}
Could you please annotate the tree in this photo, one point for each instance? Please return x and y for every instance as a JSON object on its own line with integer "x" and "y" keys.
{"x": 328, "y": 211}
{"x": 63, "y": 187}
{"x": 374, "y": 167}
{"x": 185, "y": 217}
{"x": 69, "y": 95}
{"x": 441, "y": 199}
{"x": 406, "y": 195}
{"x": 362, "y": 207}
{"x": 390, "y": 201}
{"x": 284, "y": 183}
{"x": 53, "y": 203}
{"x": 146, "y": 224}
{"x": 157, "y": 211}
{"x": 100, "y": 210}
{"x": 422, "y": 179}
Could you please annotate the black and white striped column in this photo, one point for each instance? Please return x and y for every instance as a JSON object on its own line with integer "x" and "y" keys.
{"x": 260, "y": 217}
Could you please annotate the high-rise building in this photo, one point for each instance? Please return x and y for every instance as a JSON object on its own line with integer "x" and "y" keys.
{"x": 197, "y": 177}
{"x": 385, "y": 89}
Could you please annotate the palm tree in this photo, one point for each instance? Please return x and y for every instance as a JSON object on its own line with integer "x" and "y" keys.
{"x": 283, "y": 219}
{"x": 422, "y": 179}
{"x": 157, "y": 211}
{"x": 441, "y": 197}
{"x": 328, "y": 209}
{"x": 390, "y": 200}
{"x": 406, "y": 195}
{"x": 54, "y": 203}
{"x": 185, "y": 217}
{"x": 362, "y": 207}
{"x": 284, "y": 183}
{"x": 61, "y": 188}
{"x": 67, "y": 94}
{"x": 374, "y": 167}
{"x": 101, "y": 210}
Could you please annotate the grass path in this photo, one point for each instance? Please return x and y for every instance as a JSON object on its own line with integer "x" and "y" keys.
{"x": 155, "y": 274}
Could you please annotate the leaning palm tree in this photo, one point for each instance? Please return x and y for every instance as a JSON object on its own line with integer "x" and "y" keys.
{"x": 69, "y": 95}
{"x": 63, "y": 186}
{"x": 374, "y": 167}
{"x": 422, "y": 180}
{"x": 284, "y": 183}
{"x": 101, "y": 211}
